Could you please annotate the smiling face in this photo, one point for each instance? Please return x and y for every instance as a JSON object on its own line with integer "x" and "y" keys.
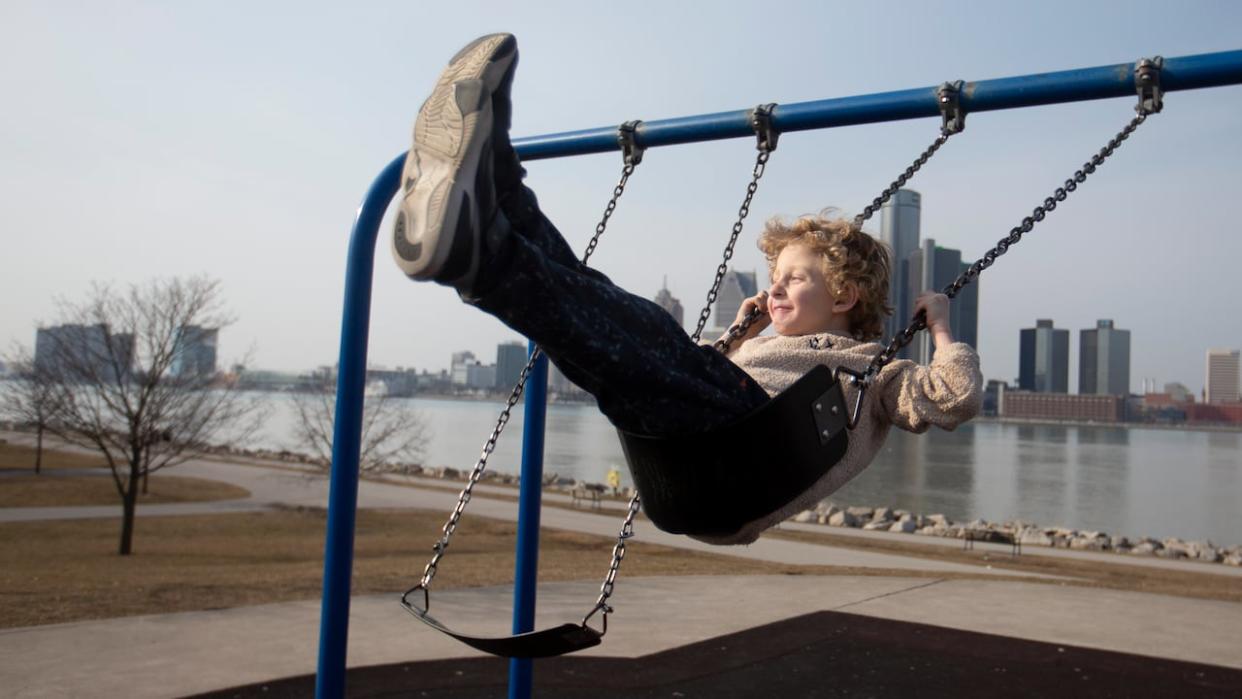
{"x": 799, "y": 300}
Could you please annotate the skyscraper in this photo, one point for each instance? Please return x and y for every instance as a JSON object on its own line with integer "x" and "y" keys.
{"x": 1043, "y": 360}
{"x": 459, "y": 369}
{"x": 665, "y": 299}
{"x": 899, "y": 230}
{"x": 735, "y": 288}
{"x": 1221, "y": 383}
{"x": 195, "y": 354}
{"x": 86, "y": 352}
{"x": 510, "y": 360}
{"x": 933, "y": 267}
{"x": 1104, "y": 360}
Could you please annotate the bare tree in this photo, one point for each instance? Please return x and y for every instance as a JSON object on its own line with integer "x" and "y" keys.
{"x": 29, "y": 398}
{"x": 392, "y": 432}
{"x": 128, "y": 384}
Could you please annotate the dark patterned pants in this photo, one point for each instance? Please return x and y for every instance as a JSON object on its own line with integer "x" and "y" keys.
{"x": 642, "y": 368}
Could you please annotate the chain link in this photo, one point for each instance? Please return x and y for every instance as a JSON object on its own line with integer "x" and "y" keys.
{"x": 618, "y": 553}
{"x": 429, "y": 572}
{"x": 1015, "y": 234}
{"x": 901, "y": 180}
{"x": 760, "y": 165}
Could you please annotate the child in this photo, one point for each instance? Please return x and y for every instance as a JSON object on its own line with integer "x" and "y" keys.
{"x": 467, "y": 221}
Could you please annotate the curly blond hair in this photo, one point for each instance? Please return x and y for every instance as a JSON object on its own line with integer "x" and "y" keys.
{"x": 849, "y": 257}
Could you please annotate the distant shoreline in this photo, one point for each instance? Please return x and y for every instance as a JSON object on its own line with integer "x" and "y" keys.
{"x": 1179, "y": 427}
{"x": 589, "y": 402}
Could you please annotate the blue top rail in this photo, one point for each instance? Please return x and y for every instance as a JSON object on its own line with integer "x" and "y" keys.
{"x": 1103, "y": 82}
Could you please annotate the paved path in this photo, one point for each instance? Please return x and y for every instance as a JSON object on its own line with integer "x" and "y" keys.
{"x": 178, "y": 654}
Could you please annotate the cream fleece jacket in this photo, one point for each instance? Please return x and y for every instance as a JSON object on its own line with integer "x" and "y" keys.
{"x": 914, "y": 397}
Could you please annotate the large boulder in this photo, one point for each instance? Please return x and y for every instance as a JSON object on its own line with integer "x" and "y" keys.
{"x": 938, "y": 520}
{"x": 905, "y": 526}
{"x": 1034, "y": 537}
{"x": 843, "y": 519}
{"x": 861, "y": 513}
{"x": 1088, "y": 543}
{"x": 805, "y": 516}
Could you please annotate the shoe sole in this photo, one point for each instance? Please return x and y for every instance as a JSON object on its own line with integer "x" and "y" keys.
{"x": 440, "y": 169}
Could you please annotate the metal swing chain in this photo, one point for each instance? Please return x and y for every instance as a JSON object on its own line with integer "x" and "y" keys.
{"x": 761, "y": 121}
{"x": 633, "y": 155}
{"x": 953, "y": 120}
{"x": 618, "y": 553}
{"x": 1147, "y": 80}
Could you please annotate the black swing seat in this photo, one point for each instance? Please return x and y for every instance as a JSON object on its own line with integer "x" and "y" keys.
{"x": 712, "y": 483}
{"x": 545, "y": 643}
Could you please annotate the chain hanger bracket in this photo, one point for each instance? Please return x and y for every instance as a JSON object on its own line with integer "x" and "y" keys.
{"x": 1147, "y": 84}
{"x": 761, "y": 122}
{"x": 952, "y": 116}
{"x": 627, "y": 137}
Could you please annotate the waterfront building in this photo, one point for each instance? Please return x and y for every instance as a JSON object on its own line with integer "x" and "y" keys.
{"x": 899, "y": 230}
{"x": 1179, "y": 392}
{"x": 1063, "y": 406}
{"x": 1215, "y": 413}
{"x": 1043, "y": 360}
{"x": 1220, "y": 385}
{"x": 195, "y": 352}
{"x": 481, "y": 376}
{"x": 994, "y": 398}
{"x": 510, "y": 360}
{"x": 735, "y": 288}
{"x": 459, "y": 368}
{"x": 1104, "y": 360}
{"x": 399, "y": 382}
{"x": 665, "y": 299}
{"x": 92, "y": 351}
{"x": 934, "y": 267}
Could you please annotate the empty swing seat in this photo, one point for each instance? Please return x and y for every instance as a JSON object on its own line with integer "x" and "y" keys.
{"x": 713, "y": 483}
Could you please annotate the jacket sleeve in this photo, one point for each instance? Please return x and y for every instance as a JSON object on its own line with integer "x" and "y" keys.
{"x": 945, "y": 393}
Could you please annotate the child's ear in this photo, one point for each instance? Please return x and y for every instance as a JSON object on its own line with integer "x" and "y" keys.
{"x": 847, "y": 299}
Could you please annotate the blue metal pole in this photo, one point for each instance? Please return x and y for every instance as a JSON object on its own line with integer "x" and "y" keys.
{"x": 347, "y": 434}
{"x": 1103, "y": 82}
{"x": 525, "y": 578}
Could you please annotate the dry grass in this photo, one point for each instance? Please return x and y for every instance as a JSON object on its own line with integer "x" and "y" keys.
{"x": 1184, "y": 582}
{"x": 68, "y": 570}
{"x": 72, "y": 491}
{"x": 58, "y": 489}
{"x": 18, "y": 457}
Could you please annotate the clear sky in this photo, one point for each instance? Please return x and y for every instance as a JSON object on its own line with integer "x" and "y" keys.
{"x": 236, "y": 139}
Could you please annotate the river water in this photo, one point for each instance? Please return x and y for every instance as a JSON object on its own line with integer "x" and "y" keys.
{"x": 1132, "y": 481}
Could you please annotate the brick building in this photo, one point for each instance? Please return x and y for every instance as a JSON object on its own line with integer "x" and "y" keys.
{"x": 1063, "y": 406}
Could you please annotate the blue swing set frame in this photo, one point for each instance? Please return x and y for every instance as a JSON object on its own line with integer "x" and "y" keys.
{"x": 1102, "y": 82}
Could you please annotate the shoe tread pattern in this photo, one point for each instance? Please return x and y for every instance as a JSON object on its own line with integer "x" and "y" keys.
{"x": 441, "y": 125}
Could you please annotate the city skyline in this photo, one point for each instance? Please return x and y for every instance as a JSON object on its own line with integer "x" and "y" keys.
{"x": 201, "y": 348}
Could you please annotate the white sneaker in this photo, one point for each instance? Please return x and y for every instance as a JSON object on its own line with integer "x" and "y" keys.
{"x": 449, "y": 198}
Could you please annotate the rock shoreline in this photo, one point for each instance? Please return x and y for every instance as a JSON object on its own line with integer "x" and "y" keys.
{"x": 1015, "y": 532}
